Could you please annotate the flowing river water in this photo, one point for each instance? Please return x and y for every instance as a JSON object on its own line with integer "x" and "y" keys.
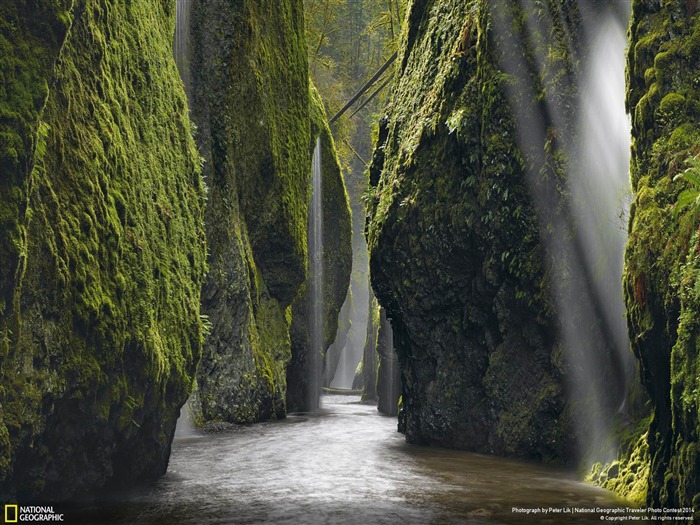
{"x": 346, "y": 465}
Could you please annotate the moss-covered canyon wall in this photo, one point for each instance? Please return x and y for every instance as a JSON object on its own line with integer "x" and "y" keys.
{"x": 250, "y": 102}
{"x": 103, "y": 216}
{"x": 459, "y": 236}
{"x": 257, "y": 119}
{"x": 662, "y": 276}
{"x": 103, "y": 246}
{"x": 477, "y": 251}
{"x": 455, "y": 252}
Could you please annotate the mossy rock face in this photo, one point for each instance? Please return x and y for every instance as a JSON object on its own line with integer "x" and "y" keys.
{"x": 662, "y": 260}
{"x": 628, "y": 474}
{"x": 250, "y": 101}
{"x": 32, "y": 36}
{"x": 456, "y": 256}
{"x": 337, "y": 262}
{"x": 100, "y": 329}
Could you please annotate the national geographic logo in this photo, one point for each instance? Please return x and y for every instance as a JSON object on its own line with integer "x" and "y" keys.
{"x": 11, "y": 513}
{"x": 17, "y": 514}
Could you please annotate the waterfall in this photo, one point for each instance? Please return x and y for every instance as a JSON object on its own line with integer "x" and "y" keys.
{"x": 389, "y": 374}
{"x": 181, "y": 47}
{"x": 315, "y": 244}
{"x": 582, "y": 229}
{"x": 185, "y": 425}
{"x": 600, "y": 187}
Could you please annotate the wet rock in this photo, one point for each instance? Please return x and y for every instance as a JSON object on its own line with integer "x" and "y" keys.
{"x": 456, "y": 250}
{"x": 103, "y": 247}
{"x": 388, "y": 371}
{"x": 662, "y": 257}
{"x": 250, "y": 102}
{"x": 369, "y": 354}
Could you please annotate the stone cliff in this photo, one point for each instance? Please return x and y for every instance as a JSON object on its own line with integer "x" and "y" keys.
{"x": 103, "y": 246}
{"x": 250, "y": 101}
{"x": 662, "y": 261}
{"x": 455, "y": 234}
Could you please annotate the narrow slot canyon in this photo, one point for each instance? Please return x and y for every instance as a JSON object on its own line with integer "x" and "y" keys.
{"x": 349, "y": 261}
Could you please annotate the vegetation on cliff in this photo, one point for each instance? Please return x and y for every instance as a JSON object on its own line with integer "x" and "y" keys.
{"x": 455, "y": 253}
{"x": 102, "y": 208}
{"x": 662, "y": 260}
{"x": 250, "y": 102}
{"x": 476, "y": 247}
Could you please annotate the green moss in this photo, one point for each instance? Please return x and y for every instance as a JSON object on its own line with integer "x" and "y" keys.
{"x": 31, "y": 38}
{"x": 5, "y": 451}
{"x": 455, "y": 243}
{"x": 107, "y": 330}
{"x": 662, "y": 258}
{"x": 672, "y": 106}
{"x": 251, "y": 104}
{"x": 628, "y": 474}
{"x": 257, "y": 89}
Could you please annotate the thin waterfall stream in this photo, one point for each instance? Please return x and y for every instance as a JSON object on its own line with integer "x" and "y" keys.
{"x": 316, "y": 278}
{"x": 181, "y": 43}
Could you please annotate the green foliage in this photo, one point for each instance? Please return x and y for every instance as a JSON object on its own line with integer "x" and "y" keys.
{"x": 104, "y": 332}
{"x": 690, "y": 196}
{"x": 251, "y": 104}
{"x": 663, "y": 255}
{"x": 348, "y": 40}
{"x": 206, "y": 326}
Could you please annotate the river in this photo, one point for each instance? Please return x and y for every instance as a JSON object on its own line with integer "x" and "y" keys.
{"x": 346, "y": 465}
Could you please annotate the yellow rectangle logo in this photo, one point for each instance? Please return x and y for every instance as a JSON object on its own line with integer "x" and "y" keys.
{"x": 11, "y": 512}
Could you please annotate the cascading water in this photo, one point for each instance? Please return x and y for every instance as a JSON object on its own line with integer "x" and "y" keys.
{"x": 315, "y": 245}
{"x": 185, "y": 425}
{"x": 181, "y": 47}
{"x": 599, "y": 184}
{"x": 389, "y": 374}
{"x": 582, "y": 229}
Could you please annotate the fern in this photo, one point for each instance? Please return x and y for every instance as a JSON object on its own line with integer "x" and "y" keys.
{"x": 691, "y": 195}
